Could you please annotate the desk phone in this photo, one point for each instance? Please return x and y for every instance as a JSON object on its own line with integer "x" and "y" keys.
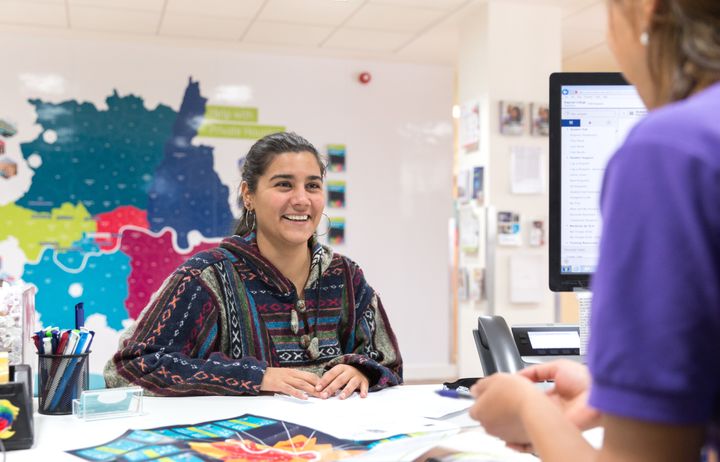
{"x": 503, "y": 349}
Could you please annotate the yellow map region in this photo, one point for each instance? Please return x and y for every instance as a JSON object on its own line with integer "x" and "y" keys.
{"x": 38, "y": 230}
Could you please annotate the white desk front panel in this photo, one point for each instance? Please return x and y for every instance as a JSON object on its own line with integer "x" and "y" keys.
{"x": 404, "y": 408}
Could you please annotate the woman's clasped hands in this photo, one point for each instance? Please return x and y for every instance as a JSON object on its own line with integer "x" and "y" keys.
{"x": 342, "y": 379}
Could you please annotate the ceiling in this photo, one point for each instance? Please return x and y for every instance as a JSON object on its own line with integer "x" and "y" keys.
{"x": 406, "y": 30}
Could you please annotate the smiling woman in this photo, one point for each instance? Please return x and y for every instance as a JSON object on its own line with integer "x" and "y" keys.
{"x": 270, "y": 309}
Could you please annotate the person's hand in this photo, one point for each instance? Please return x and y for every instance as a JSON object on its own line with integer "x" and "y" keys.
{"x": 572, "y": 386}
{"x": 291, "y": 382}
{"x": 500, "y": 402}
{"x": 342, "y": 376}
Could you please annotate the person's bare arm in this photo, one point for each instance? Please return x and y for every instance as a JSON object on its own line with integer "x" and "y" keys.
{"x": 512, "y": 408}
{"x": 556, "y": 439}
{"x": 631, "y": 440}
{"x": 508, "y": 406}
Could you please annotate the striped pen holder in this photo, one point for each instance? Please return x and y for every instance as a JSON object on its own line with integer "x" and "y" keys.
{"x": 61, "y": 378}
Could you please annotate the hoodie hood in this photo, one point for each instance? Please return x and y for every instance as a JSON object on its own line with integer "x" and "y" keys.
{"x": 245, "y": 248}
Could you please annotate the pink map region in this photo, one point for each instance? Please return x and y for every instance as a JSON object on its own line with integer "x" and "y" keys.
{"x": 152, "y": 259}
{"x": 111, "y": 222}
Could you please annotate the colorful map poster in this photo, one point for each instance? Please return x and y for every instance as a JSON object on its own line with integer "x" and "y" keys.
{"x": 245, "y": 438}
{"x": 116, "y": 197}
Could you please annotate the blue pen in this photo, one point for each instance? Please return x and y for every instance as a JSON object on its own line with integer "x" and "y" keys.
{"x": 55, "y": 341}
{"x": 455, "y": 394}
{"x": 91, "y": 336}
{"x": 79, "y": 316}
{"x": 84, "y": 341}
{"x": 66, "y": 372}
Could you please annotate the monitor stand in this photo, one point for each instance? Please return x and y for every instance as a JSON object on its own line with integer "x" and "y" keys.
{"x": 584, "y": 298}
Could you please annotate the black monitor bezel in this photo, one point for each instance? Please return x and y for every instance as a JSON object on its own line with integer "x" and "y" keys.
{"x": 558, "y": 281}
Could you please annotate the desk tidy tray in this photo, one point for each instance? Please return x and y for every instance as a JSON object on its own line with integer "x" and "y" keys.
{"x": 109, "y": 403}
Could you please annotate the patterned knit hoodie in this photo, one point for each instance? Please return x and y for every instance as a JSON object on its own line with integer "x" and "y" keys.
{"x": 225, "y": 315}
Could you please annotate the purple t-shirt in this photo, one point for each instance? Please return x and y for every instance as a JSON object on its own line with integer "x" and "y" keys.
{"x": 654, "y": 349}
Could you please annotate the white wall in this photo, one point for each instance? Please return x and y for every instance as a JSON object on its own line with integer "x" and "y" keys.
{"x": 397, "y": 130}
{"x": 507, "y": 52}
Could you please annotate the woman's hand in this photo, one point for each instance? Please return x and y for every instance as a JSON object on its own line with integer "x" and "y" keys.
{"x": 291, "y": 382}
{"x": 500, "y": 403}
{"x": 572, "y": 386}
{"x": 341, "y": 376}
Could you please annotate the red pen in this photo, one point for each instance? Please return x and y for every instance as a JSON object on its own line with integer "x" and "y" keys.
{"x": 63, "y": 341}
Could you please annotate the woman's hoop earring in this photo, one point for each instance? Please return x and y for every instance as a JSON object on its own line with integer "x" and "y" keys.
{"x": 247, "y": 221}
{"x": 328, "y": 227}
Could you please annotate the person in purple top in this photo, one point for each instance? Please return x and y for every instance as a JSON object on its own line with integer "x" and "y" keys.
{"x": 654, "y": 371}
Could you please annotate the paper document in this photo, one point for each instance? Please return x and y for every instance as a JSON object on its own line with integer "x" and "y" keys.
{"x": 384, "y": 413}
{"x": 527, "y": 284}
{"x": 527, "y": 170}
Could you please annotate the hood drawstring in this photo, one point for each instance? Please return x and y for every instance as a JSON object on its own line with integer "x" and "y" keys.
{"x": 311, "y": 345}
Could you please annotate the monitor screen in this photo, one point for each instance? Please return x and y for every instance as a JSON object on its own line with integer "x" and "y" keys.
{"x": 590, "y": 115}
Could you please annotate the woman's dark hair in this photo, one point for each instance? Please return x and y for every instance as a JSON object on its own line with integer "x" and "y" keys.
{"x": 684, "y": 47}
{"x": 258, "y": 158}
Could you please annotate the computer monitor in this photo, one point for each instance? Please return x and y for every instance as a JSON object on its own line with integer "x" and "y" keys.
{"x": 590, "y": 115}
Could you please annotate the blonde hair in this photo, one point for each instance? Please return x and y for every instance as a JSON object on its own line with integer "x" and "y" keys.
{"x": 683, "y": 46}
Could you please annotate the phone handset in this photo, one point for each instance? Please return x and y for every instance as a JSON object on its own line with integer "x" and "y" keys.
{"x": 495, "y": 344}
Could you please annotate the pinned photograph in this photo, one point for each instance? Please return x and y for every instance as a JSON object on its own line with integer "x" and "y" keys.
{"x": 512, "y": 118}
{"x": 469, "y": 230}
{"x": 8, "y": 167}
{"x": 7, "y": 129}
{"x": 478, "y": 185}
{"x": 540, "y": 119}
{"x": 336, "y": 193}
{"x": 476, "y": 292}
{"x": 463, "y": 283}
{"x": 537, "y": 233}
{"x": 336, "y": 233}
{"x": 508, "y": 229}
{"x": 336, "y": 157}
{"x": 464, "y": 186}
{"x": 470, "y": 126}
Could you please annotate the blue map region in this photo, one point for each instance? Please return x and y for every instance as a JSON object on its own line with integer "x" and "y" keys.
{"x": 104, "y": 159}
{"x": 186, "y": 193}
{"x": 103, "y": 282}
{"x": 73, "y": 258}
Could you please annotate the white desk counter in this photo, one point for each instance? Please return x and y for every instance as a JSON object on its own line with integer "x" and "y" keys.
{"x": 402, "y": 409}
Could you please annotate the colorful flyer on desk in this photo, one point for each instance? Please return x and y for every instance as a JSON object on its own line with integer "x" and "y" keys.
{"x": 238, "y": 439}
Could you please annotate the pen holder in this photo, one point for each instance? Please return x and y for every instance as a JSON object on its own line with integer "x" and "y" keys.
{"x": 61, "y": 379}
